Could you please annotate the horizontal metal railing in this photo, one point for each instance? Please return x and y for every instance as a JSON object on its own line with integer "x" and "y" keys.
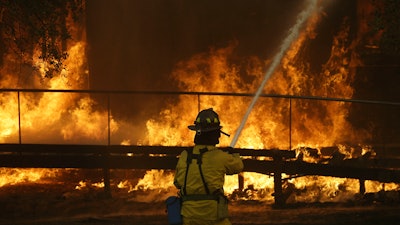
{"x": 108, "y": 93}
{"x": 238, "y": 94}
{"x": 118, "y": 156}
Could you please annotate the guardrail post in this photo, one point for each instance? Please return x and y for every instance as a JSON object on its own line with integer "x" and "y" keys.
{"x": 19, "y": 118}
{"x": 240, "y": 181}
{"x": 362, "y": 186}
{"x": 198, "y": 102}
{"x": 106, "y": 175}
{"x": 290, "y": 123}
{"x": 278, "y": 193}
{"x": 106, "y": 168}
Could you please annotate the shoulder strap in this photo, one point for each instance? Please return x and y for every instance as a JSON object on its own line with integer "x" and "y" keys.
{"x": 199, "y": 162}
{"x": 198, "y": 157}
{"x": 188, "y": 161}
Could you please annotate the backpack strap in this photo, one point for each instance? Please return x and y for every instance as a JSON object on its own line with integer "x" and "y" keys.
{"x": 189, "y": 158}
{"x": 199, "y": 162}
{"x": 198, "y": 157}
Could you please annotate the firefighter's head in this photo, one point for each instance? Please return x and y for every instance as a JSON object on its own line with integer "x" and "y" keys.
{"x": 207, "y": 127}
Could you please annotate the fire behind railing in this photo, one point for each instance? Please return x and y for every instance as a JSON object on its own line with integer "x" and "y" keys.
{"x": 108, "y": 95}
{"x": 110, "y": 156}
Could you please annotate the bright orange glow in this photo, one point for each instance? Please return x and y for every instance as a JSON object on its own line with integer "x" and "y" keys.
{"x": 15, "y": 176}
{"x": 75, "y": 118}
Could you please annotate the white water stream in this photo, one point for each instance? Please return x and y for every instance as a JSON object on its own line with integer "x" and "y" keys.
{"x": 293, "y": 34}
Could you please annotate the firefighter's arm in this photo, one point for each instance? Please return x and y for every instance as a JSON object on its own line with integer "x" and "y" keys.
{"x": 180, "y": 170}
{"x": 234, "y": 164}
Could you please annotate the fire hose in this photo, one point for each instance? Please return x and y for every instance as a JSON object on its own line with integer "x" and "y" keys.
{"x": 293, "y": 33}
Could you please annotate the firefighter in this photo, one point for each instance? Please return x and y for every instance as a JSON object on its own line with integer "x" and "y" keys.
{"x": 200, "y": 174}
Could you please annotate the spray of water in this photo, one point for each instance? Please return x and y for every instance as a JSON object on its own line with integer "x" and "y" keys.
{"x": 293, "y": 34}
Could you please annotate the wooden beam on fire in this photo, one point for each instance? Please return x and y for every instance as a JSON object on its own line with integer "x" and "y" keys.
{"x": 165, "y": 157}
{"x": 88, "y": 161}
{"x": 127, "y": 149}
{"x": 316, "y": 169}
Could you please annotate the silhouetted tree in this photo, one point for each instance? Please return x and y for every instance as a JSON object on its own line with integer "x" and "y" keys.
{"x": 387, "y": 21}
{"x": 26, "y": 25}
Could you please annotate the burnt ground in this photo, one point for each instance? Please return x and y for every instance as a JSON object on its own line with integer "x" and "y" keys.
{"x": 51, "y": 204}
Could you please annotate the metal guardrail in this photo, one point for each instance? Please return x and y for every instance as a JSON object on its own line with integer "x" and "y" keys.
{"x": 116, "y": 156}
{"x": 198, "y": 94}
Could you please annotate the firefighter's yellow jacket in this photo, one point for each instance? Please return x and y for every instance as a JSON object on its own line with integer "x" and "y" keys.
{"x": 215, "y": 164}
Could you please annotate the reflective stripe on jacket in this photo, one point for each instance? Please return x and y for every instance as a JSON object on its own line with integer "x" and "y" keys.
{"x": 215, "y": 164}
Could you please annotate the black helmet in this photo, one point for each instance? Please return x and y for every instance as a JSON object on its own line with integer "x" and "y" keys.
{"x": 206, "y": 121}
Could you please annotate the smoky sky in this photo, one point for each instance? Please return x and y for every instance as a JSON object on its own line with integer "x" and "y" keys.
{"x": 134, "y": 44}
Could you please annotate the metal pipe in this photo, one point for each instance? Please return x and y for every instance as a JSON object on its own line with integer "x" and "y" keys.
{"x": 198, "y": 103}
{"x": 207, "y": 93}
{"x": 19, "y": 119}
{"x": 290, "y": 123}
{"x": 109, "y": 120}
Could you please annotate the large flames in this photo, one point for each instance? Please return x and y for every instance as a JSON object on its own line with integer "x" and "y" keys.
{"x": 56, "y": 117}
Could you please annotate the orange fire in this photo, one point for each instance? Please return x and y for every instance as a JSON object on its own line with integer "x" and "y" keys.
{"x": 76, "y": 118}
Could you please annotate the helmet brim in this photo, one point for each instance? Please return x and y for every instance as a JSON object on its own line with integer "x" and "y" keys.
{"x": 198, "y": 129}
